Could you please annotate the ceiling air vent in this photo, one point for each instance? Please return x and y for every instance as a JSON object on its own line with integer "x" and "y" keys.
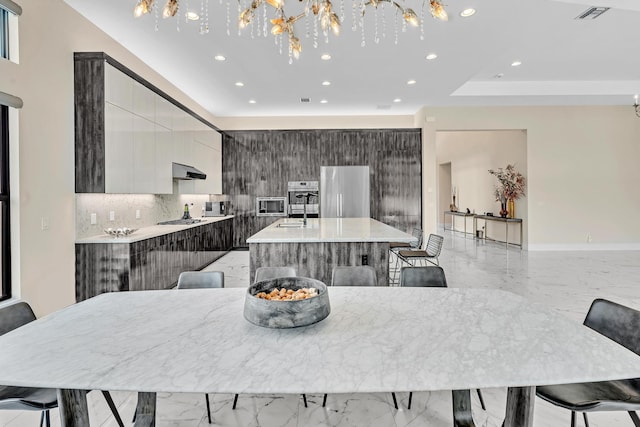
{"x": 303, "y": 100}
{"x": 383, "y": 107}
{"x": 592, "y": 13}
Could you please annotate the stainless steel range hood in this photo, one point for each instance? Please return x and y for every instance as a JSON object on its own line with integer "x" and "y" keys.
{"x": 181, "y": 171}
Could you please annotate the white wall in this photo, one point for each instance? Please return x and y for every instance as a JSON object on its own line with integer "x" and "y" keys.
{"x": 49, "y": 33}
{"x": 582, "y": 170}
{"x": 471, "y": 154}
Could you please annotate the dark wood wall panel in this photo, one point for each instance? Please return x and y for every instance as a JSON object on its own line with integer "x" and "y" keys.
{"x": 89, "y": 122}
{"x": 317, "y": 260}
{"x": 261, "y": 162}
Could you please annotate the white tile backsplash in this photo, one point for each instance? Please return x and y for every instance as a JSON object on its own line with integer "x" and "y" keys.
{"x": 153, "y": 209}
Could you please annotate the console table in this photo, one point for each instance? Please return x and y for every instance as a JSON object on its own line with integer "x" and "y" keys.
{"x": 453, "y": 215}
{"x": 506, "y": 222}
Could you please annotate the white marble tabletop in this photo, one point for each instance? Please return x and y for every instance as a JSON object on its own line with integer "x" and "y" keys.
{"x": 374, "y": 340}
{"x": 151, "y": 231}
{"x": 330, "y": 230}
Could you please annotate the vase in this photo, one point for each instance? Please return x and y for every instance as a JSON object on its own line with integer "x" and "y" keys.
{"x": 511, "y": 208}
{"x": 503, "y": 210}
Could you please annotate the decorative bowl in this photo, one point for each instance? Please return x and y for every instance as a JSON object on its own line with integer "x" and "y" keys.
{"x": 286, "y": 314}
{"x": 119, "y": 232}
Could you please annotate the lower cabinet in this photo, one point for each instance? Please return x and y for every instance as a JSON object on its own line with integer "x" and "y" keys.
{"x": 149, "y": 264}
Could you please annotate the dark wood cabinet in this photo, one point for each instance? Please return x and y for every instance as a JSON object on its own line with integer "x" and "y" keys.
{"x": 261, "y": 162}
{"x": 149, "y": 264}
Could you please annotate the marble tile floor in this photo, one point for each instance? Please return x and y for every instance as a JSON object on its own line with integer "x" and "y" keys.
{"x": 563, "y": 281}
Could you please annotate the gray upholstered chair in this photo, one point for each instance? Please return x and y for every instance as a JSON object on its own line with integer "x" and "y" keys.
{"x": 430, "y": 253}
{"x": 361, "y": 275}
{"x": 427, "y": 277}
{"x": 266, "y": 273}
{"x": 621, "y": 324}
{"x": 27, "y": 398}
{"x": 423, "y": 276}
{"x": 202, "y": 280}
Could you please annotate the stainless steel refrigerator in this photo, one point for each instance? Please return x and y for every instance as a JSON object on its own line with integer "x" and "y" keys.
{"x": 344, "y": 192}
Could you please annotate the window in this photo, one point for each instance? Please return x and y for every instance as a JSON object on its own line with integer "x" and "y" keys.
{"x": 5, "y": 243}
{"x": 4, "y": 34}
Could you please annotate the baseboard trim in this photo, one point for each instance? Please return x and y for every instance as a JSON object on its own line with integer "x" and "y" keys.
{"x": 585, "y": 247}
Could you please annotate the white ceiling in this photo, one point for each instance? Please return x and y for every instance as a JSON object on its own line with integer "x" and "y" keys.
{"x": 564, "y": 61}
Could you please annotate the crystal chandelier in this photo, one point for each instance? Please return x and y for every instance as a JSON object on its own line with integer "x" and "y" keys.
{"x": 320, "y": 12}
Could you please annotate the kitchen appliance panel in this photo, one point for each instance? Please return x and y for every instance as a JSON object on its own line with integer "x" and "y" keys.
{"x": 344, "y": 192}
{"x": 271, "y": 206}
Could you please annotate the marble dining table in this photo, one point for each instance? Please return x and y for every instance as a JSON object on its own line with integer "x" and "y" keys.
{"x": 375, "y": 339}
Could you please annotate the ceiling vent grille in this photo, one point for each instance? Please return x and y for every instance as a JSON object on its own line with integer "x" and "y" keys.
{"x": 592, "y": 13}
{"x": 383, "y": 107}
{"x": 304, "y": 100}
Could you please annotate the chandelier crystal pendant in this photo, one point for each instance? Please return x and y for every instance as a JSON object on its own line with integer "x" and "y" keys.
{"x": 321, "y": 11}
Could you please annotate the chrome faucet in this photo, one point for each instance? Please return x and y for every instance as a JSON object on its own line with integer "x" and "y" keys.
{"x": 306, "y": 196}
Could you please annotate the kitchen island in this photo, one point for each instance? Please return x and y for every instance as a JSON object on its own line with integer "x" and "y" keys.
{"x": 316, "y": 248}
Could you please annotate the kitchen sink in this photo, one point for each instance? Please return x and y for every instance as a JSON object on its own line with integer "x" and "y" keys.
{"x": 292, "y": 224}
{"x": 181, "y": 221}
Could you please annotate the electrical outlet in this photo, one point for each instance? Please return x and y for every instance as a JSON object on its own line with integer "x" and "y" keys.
{"x": 94, "y": 219}
{"x": 137, "y": 213}
{"x": 365, "y": 259}
{"x": 44, "y": 223}
{"x": 589, "y": 239}
{"x": 112, "y": 216}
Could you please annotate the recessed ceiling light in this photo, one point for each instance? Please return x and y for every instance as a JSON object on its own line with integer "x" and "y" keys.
{"x": 411, "y": 82}
{"x": 397, "y": 100}
{"x": 468, "y": 12}
{"x": 498, "y": 76}
{"x": 323, "y": 101}
{"x": 220, "y": 58}
{"x": 192, "y": 16}
{"x": 432, "y": 56}
{"x": 326, "y": 83}
{"x": 516, "y": 63}
{"x": 239, "y": 84}
{"x": 325, "y": 57}
{"x": 252, "y": 101}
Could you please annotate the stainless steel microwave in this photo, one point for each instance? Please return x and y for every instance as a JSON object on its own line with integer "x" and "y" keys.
{"x": 271, "y": 206}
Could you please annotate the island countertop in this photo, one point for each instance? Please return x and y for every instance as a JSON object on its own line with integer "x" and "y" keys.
{"x": 329, "y": 230}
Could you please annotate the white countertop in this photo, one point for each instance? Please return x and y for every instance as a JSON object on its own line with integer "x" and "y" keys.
{"x": 151, "y": 231}
{"x": 376, "y": 339}
{"x": 330, "y": 230}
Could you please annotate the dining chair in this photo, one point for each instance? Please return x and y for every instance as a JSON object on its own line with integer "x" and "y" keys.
{"x": 266, "y": 273}
{"x": 361, "y": 275}
{"x": 200, "y": 279}
{"x": 203, "y": 280}
{"x": 432, "y": 277}
{"x": 620, "y": 324}
{"x": 430, "y": 253}
{"x": 29, "y": 398}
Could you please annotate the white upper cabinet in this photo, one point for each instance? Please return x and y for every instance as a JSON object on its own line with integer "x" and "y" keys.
{"x": 144, "y": 156}
{"x": 145, "y": 133}
{"x": 118, "y": 88}
{"x": 164, "y": 112}
{"x": 144, "y": 102}
{"x": 118, "y": 150}
{"x": 164, "y": 157}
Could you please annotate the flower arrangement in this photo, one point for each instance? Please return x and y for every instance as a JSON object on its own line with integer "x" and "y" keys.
{"x": 512, "y": 184}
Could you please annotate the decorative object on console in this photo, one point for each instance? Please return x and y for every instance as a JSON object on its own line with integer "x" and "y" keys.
{"x": 452, "y": 206}
{"x": 119, "y": 232}
{"x": 321, "y": 11}
{"x": 510, "y": 188}
{"x": 636, "y": 105}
